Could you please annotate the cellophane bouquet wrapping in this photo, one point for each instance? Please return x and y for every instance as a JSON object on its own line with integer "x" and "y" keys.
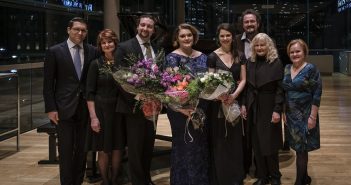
{"x": 176, "y": 82}
{"x": 182, "y": 94}
{"x": 212, "y": 85}
{"x": 143, "y": 78}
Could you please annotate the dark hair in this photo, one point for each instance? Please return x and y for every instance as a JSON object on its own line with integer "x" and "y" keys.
{"x": 106, "y": 34}
{"x": 256, "y": 14}
{"x": 229, "y": 28}
{"x": 145, "y": 16}
{"x": 302, "y": 44}
{"x": 253, "y": 12}
{"x": 76, "y": 19}
{"x": 186, "y": 26}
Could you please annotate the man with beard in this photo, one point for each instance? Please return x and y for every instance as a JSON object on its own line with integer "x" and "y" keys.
{"x": 140, "y": 132}
{"x": 251, "y": 22}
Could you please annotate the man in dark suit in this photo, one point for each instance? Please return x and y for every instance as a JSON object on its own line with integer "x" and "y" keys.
{"x": 140, "y": 132}
{"x": 65, "y": 71}
{"x": 251, "y": 23}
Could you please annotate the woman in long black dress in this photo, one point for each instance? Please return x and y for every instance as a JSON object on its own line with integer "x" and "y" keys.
{"x": 106, "y": 129}
{"x": 189, "y": 159}
{"x": 226, "y": 138}
{"x": 264, "y": 101}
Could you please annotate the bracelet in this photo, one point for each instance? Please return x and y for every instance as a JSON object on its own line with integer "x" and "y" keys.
{"x": 313, "y": 118}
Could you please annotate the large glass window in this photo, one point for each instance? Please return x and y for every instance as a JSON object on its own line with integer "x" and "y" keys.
{"x": 28, "y": 28}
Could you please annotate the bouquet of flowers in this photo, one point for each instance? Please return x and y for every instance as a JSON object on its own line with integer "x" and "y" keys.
{"x": 176, "y": 82}
{"x": 143, "y": 78}
{"x": 214, "y": 85}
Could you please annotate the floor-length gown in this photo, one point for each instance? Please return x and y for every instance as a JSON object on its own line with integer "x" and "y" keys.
{"x": 189, "y": 159}
{"x": 225, "y": 140}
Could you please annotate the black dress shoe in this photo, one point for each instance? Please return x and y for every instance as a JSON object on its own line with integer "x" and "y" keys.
{"x": 308, "y": 180}
{"x": 261, "y": 182}
{"x": 275, "y": 181}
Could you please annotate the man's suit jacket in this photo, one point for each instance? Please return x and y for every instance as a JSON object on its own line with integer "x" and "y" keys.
{"x": 62, "y": 87}
{"x": 126, "y": 101}
{"x": 240, "y": 44}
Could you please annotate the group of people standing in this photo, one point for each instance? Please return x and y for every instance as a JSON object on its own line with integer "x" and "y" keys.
{"x": 220, "y": 153}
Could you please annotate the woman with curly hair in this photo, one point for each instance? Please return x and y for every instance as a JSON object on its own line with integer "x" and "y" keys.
{"x": 263, "y": 106}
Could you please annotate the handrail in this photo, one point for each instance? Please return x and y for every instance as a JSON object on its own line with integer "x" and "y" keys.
{"x": 18, "y": 129}
{"x": 22, "y": 66}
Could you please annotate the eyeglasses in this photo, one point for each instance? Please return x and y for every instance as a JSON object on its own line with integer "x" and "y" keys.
{"x": 77, "y": 30}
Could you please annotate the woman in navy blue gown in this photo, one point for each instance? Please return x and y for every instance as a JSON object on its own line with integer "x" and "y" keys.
{"x": 189, "y": 157}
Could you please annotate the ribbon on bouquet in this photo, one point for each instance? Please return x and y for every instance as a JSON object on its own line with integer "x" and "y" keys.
{"x": 197, "y": 118}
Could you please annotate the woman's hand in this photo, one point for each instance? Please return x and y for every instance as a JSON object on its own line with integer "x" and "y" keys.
{"x": 95, "y": 125}
{"x": 311, "y": 123}
{"x": 243, "y": 112}
{"x": 230, "y": 99}
{"x": 275, "y": 117}
{"x": 222, "y": 97}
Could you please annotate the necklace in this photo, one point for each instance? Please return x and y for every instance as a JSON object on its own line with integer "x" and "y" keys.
{"x": 109, "y": 61}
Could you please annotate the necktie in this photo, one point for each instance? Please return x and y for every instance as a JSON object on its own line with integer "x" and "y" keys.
{"x": 76, "y": 61}
{"x": 148, "y": 50}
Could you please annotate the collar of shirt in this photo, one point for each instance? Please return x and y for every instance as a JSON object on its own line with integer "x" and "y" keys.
{"x": 72, "y": 50}
{"x": 141, "y": 41}
{"x": 244, "y": 38}
{"x": 143, "y": 48}
{"x": 71, "y": 44}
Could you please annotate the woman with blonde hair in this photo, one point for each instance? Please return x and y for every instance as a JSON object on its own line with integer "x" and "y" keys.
{"x": 263, "y": 107}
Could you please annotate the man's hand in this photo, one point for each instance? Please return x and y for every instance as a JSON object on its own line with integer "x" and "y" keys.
{"x": 186, "y": 112}
{"x": 275, "y": 117}
{"x": 53, "y": 116}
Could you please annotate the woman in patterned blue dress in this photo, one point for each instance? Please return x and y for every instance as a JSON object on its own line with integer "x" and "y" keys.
{"x": 189, "y": 159}
{"x": 303, "y": 89}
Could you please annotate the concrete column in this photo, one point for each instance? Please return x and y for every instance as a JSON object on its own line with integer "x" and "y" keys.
{"x": 111, "y": 21}
{"x": 180, "y": 11}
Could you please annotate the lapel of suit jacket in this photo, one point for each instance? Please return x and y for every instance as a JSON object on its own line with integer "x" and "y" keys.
{"x": 67, "y": 57}
{"x": 137, "y": 48}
